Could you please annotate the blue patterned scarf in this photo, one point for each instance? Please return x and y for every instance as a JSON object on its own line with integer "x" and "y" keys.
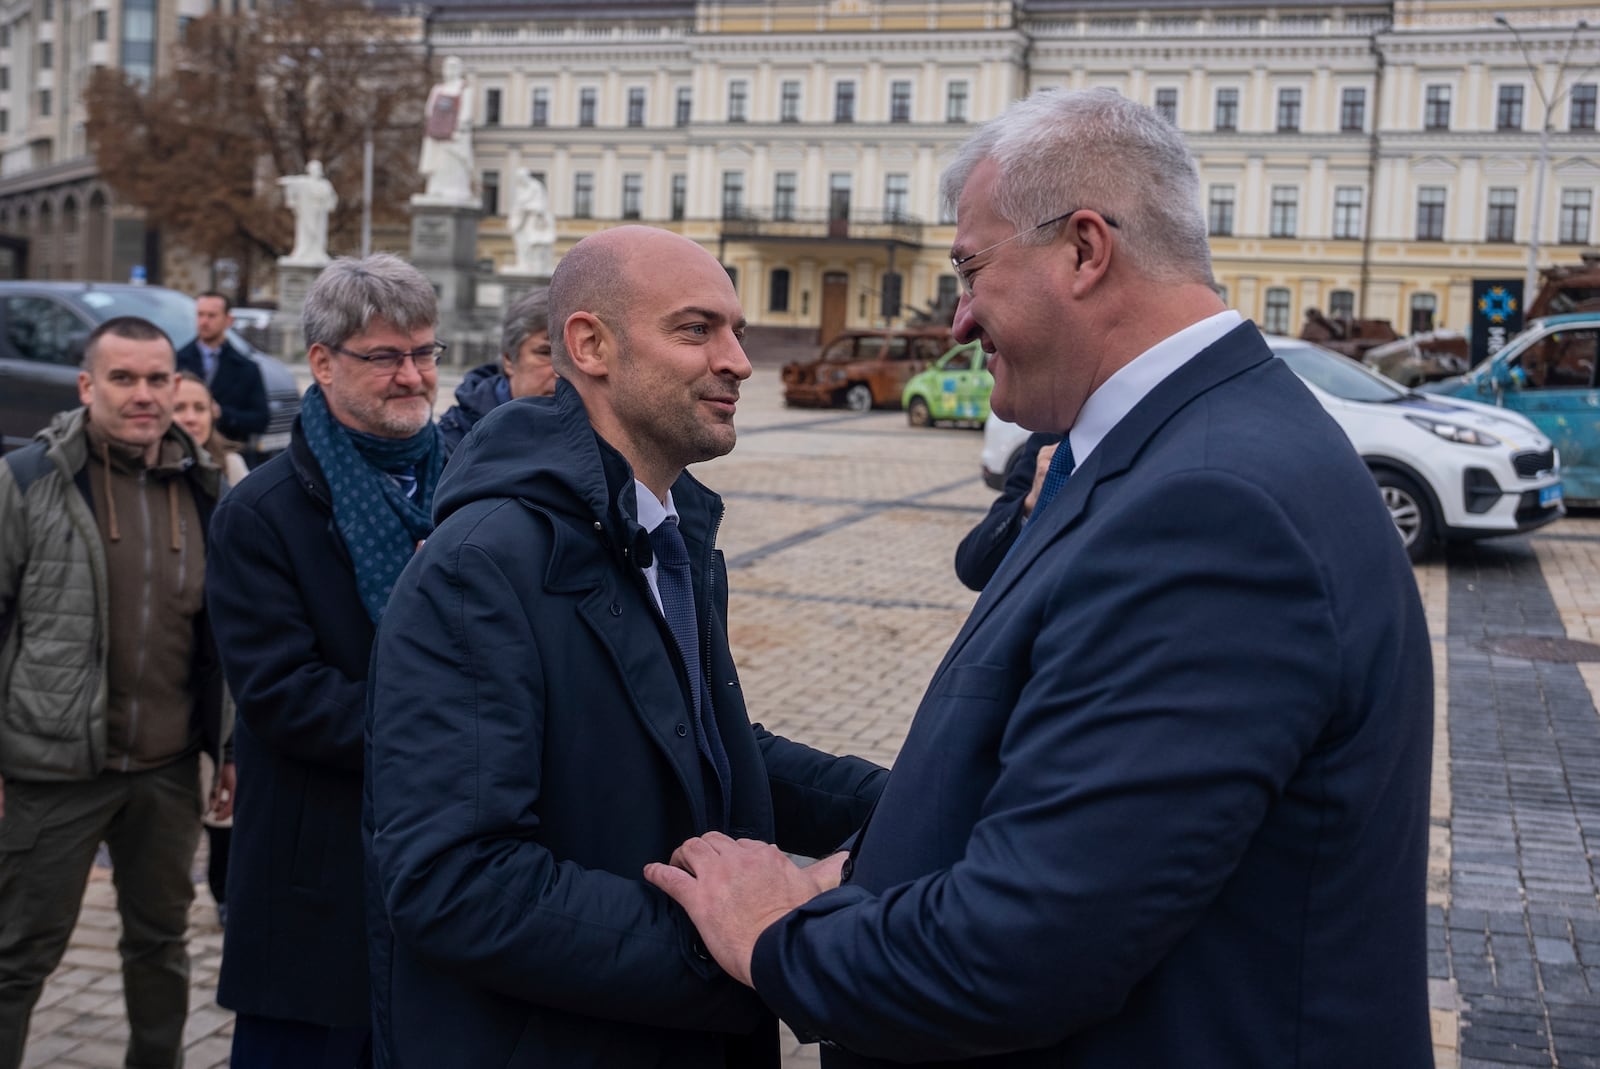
{"x": 381, "y": 526}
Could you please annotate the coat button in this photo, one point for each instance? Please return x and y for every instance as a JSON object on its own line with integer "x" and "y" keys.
{"x": 847, "y": 869}
{"x": 683, "y": 729}
{"x": 700, "y": 951}
{"x": 616, "y": 609}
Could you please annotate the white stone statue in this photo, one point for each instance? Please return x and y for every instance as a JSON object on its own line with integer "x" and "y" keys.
{"x": 310, "y": 197}
{"x": 533, "y": 226}
{"x": 447, "y": 140}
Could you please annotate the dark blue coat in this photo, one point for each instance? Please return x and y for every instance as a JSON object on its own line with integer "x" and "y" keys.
{"x": 987, "y": 544}
{"x": 1165, "y": 802}
{"x": 530, "y": 751}
{"x": 295, "y": 640}
{"x": 483, "y": 390}
{"x": 237, "y": 387}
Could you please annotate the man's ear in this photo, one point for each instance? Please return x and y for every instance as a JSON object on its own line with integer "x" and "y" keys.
{"x": 590, "y": 344}
{"x": 320, "y": 359}
{"x": 1091, "y": 239}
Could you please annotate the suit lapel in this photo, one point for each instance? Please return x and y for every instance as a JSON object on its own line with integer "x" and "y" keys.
{"x": 1234, "y": 353}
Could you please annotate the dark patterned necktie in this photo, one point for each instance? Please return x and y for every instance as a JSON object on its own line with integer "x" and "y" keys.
{"x": 1055, "y": 477}
{"x": 677, "y": 605}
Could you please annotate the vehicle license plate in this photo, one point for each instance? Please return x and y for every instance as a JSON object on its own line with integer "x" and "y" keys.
{"x": 1550, "y": 495}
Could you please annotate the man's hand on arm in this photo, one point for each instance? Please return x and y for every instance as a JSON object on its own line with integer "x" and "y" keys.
{"x": 222, "y": 792}
{"x": 1040, "y": 470}
{"x": 734, "y": 889}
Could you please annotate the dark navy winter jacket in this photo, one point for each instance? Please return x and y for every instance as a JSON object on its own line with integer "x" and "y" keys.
{"x": 483, "y": 390}
{"x": 530, "y": 751}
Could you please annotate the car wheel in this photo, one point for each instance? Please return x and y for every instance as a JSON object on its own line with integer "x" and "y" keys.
{"x": 858, "y": 398}
{"x": 1410, "y": 509}
{"x": 917, "y": 413}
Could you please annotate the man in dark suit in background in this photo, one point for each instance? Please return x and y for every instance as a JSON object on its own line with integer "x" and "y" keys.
{"x": 235, "y": 380}
{"x": 1165, "y": 802}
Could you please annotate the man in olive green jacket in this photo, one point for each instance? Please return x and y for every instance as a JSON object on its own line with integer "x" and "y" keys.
{"x": 109, "y": 685}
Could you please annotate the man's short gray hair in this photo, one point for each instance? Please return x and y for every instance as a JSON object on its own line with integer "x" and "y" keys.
{"x": 530, "y": 315}
{"x": 1060, "y": 150}
{"x": 352, "y": 293}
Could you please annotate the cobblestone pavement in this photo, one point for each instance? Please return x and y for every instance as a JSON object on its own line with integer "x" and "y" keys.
{"x": 839, "y": 535}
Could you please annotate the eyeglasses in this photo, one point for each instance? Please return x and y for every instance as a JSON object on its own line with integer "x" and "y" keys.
{"x": 966, "y": 277}
{"x": 387, "y": 361}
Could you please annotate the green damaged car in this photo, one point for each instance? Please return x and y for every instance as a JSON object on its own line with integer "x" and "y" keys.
{"x": 954, "y": 390}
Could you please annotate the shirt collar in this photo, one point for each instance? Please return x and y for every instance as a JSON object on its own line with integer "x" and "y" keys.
{"x": 650, "y": 510}
{"x": 1117, "y": 396}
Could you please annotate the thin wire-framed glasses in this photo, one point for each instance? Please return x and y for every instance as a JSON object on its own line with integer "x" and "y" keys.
{"x": 966, "y": 277}
{"x": 388, "y": 361}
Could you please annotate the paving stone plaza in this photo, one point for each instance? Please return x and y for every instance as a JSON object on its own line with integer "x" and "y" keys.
{"x": 839, "y": 535}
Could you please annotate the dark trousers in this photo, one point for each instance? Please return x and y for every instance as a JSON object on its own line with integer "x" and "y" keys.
{"x": 271, "y": 1043}
{"x": 150, "y": 821}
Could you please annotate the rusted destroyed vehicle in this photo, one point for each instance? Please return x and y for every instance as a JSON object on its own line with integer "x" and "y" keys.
{"x": 864, "y": 369}
{"x": 1426, "y": 357}
{"x": 1352, "y": 337}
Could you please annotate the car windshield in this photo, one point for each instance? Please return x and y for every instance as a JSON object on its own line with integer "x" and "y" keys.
{"x": 170, "y": 310}
{"x": 1338, "y": 375}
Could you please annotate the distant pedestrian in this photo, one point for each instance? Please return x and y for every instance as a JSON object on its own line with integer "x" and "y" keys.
{"x": 554, "y": 704}
{"x": 196, "y": 411}
{"x": 306, "y": 552}
{"x": 233, "y": 377}
{"x": 523, "y": 370}
{"x": 111, "y": 686}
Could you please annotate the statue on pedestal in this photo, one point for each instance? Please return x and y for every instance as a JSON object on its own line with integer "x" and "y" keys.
{"x": 446, "y": 160}
{"x": 532, "y": 225}
{"x": 311, "y": 198}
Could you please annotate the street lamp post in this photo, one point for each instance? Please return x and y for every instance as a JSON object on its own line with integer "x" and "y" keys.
{"x": 1550, "y": 100}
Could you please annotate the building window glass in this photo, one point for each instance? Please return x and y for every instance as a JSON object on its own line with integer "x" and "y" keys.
{"x": 1288, "y": 111}
{"x": 680, "y": 196}
{"x": 1574, "y": 224}
{"x": 588, "y": 100}
{"x": 685, "y": 97}
{"x": 5, "y": 78}
{"x": 46, "y": 55}
{"x": 5, "y": 121}
{"x": 1347, "y": 212}
{"x": 632, "y": 195}
{"x": 1342, "y": 304}
{"x": 1580, "y": 115}
{"x": 1508, "y": 108}
{"x": 1227, "y": 112}
{"x": 896, "y": 196}
{"x": 955, "y": 102}
{"x": 783, "y": 195}
{"x": 1219, "y": 212}
{"x": 491, "y": 107}
{"x": 139, "y": 39}
{"x": 541, "y": 107}
{"x": 738, "y": 100}
{"x": 844, "y": 102}
{"x": 732, "y": 194}
{"x": 1167, "y": 105}
{"x": 1285, "y": 219}
{"x": 1502, "y": 223}
{"x": 899, "y": 101}
{"x": 1423, "y": 308}
{"x": 636, "y": 106}
{"x": 1436, "y": 108}
{"x": 778, "y": 290}
{"x": 1353, "y": 110}
{"x": 490, "y": 184}
{"x": 1276, "y": 319}
{"x": 583, "y": 195}
{"x": 44, "y": 102}
{"x": 102, "y": 24}
{"x": 789, "y": 102}
{"x": 1430, "y": 213}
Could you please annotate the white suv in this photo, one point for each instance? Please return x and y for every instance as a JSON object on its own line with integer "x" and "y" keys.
{"x": 1448, "y": 468}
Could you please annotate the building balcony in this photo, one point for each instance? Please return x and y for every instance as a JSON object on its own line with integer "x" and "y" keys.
{"x": 821, "y": 225}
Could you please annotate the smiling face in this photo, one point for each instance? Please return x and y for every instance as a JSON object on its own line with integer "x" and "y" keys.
{"x": 366, "y": 398}
{"x": 130, "y": 388}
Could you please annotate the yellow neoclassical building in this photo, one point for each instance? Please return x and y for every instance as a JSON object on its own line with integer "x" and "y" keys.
{"x": 1370, "y": 158}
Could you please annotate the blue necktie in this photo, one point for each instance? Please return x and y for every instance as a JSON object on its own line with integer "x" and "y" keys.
{"x": 677, "y": 605}
{"x": 1055, "y": 477}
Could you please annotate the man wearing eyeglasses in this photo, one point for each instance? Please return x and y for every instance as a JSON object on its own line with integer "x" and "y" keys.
{"x": 304, "y": 554}
{"x": 1165, "y": 802}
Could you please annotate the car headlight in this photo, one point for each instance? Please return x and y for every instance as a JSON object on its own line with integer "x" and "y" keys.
{"x": 1454, "y": 432}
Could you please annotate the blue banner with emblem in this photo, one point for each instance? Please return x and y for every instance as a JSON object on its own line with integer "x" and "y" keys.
{"x": 1496, "y": 315}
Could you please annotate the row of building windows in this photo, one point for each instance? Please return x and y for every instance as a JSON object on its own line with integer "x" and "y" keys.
{"x": 1283, "y": 221}
{"x": 956, "y": 108}
{"x": 1509, "y": 110}
{"x": 1341, "y": 304}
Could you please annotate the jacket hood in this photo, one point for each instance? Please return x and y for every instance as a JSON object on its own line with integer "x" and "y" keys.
{"x": 479, "y": 392}
{"x": 534, "y": 447}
